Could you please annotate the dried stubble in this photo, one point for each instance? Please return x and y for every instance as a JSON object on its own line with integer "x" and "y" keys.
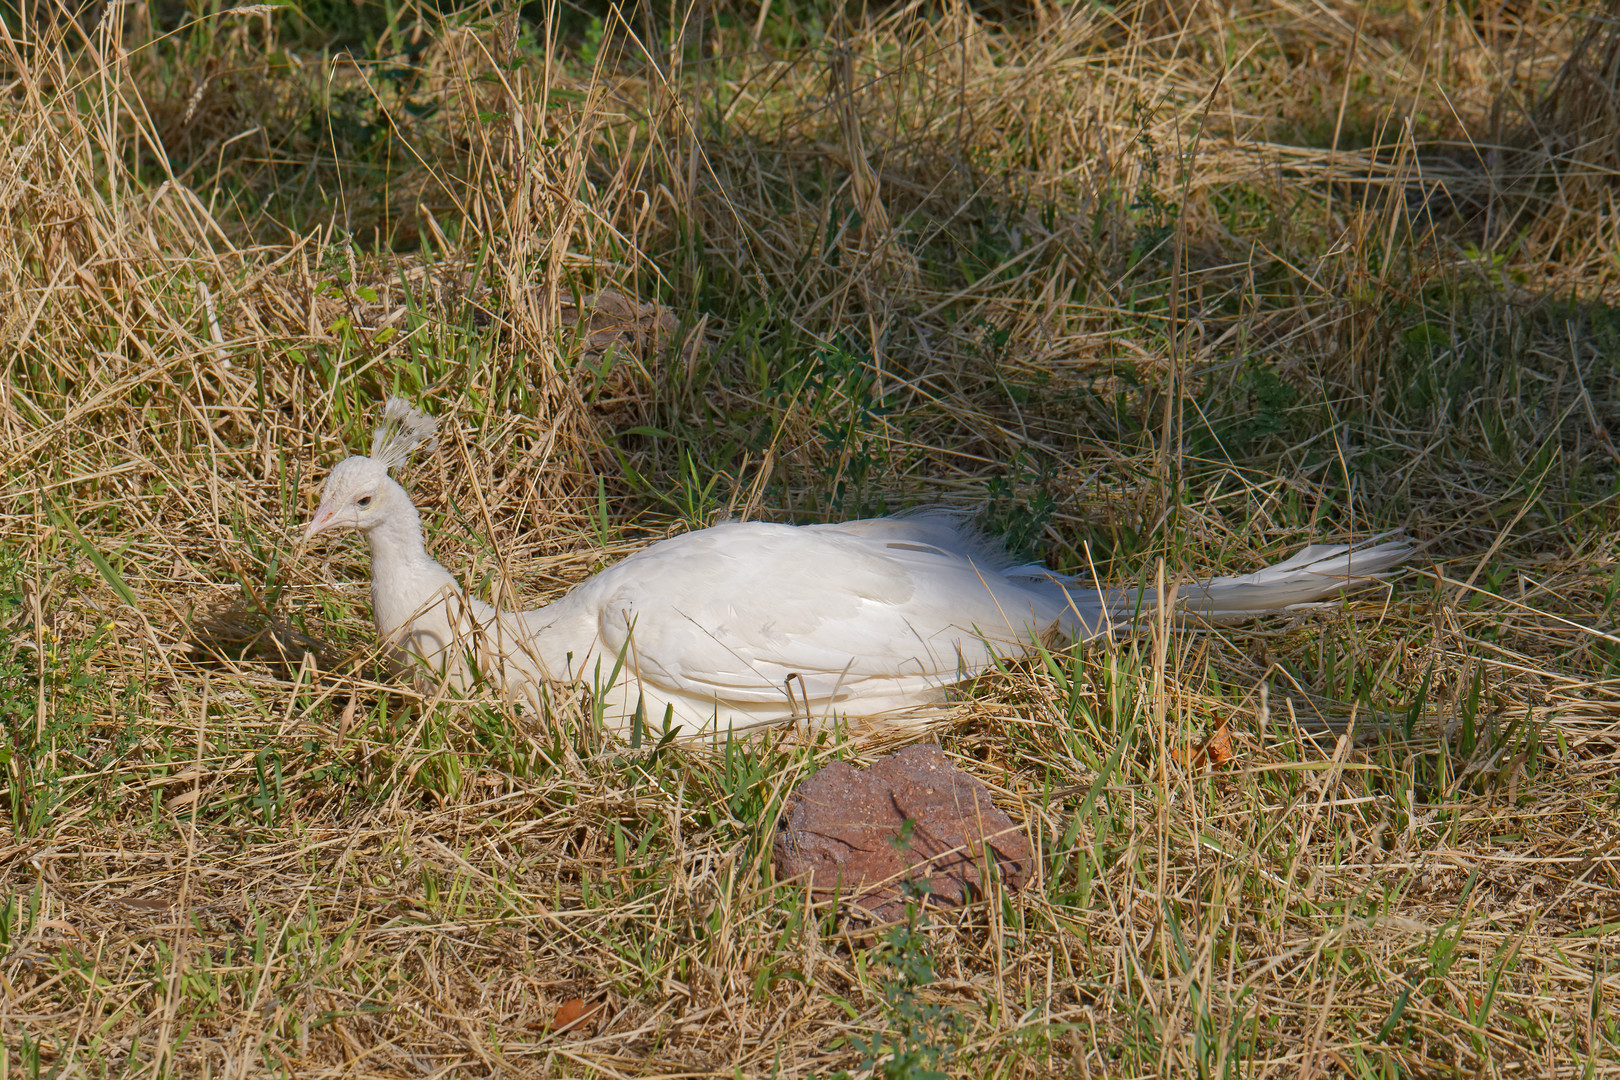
{"x": 1162, "y": 281}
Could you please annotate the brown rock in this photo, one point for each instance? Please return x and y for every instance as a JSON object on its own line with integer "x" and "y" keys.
{"x": 841, "y": 828}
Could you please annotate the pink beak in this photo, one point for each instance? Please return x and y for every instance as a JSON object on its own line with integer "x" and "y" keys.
{"x": 325, "y": 517}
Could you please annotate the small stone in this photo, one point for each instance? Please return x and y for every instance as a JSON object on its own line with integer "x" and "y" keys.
{"x": 842, "y": 829}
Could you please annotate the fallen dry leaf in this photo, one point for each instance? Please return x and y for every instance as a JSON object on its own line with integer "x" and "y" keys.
{"x": 1218, "y": 747}
{"x": 1213, "y": 752}
{"x": 147, "y": 903}
{"x": 576, "y": 1017}
{"x": 58, "y": 924}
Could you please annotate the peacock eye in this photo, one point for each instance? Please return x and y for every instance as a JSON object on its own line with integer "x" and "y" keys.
{"x": 363, "y": 501}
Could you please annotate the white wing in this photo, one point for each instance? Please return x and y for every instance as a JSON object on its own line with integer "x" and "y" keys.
{"x": 812, "y": 617}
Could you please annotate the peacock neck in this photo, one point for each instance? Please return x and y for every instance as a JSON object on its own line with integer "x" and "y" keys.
{"x": 396, "y": 541}
{"x": 405, "y": 579}
{"x": 408, "y": 597}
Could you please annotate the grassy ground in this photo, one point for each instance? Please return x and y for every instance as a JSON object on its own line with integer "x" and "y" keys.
{"x": 1158, "y": 281}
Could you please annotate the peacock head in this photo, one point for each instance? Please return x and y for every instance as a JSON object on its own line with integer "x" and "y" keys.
{"x": 359, "y": 494}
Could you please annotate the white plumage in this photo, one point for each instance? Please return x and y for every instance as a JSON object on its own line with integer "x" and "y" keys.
{"x": 749, "y": 623}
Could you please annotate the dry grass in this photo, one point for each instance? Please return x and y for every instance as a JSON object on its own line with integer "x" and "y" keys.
{"x": 1162, "y": 281}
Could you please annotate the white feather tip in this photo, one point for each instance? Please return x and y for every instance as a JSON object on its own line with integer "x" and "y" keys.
{"x": 402, "y": 430}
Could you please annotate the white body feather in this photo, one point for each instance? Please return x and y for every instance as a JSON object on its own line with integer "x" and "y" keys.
{"x": 750, "y": 623}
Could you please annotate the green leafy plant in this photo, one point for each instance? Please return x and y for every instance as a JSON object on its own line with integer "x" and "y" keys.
{"x": 918, "y": 1037}
{"x": 848, "y": 410}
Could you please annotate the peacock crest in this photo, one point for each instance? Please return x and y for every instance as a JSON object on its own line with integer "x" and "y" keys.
{"x": 402, "y": 430}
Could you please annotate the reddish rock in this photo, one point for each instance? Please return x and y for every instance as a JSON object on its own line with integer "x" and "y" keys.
{"x": 841, "y": 827}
